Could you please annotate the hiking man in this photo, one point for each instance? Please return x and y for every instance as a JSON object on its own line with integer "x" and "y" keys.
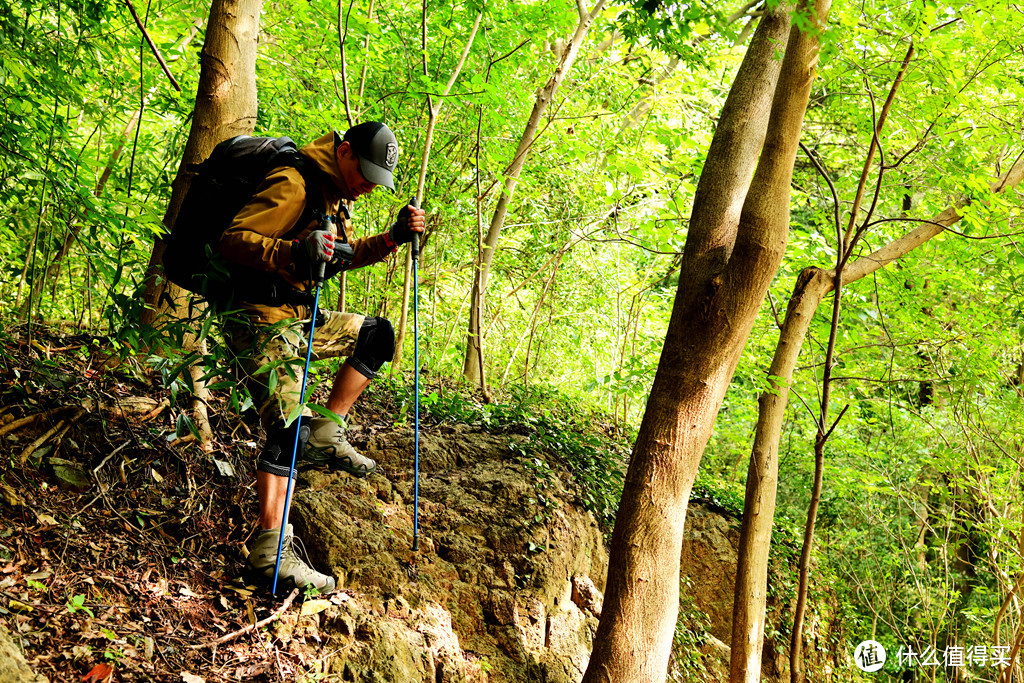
{"x": 261, "y": 237}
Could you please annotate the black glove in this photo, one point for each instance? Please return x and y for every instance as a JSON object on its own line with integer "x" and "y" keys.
{"x": 317, "y": 247}
{"x": 400, "y": 232}
{"x": 343, "y": 257}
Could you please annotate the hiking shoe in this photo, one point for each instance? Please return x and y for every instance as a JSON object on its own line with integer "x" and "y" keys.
{"x": 327, "y": 445}
{"x": 294, "y": 571}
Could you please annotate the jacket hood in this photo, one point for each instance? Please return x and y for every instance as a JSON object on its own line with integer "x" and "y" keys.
{"x": 321, "y": 151}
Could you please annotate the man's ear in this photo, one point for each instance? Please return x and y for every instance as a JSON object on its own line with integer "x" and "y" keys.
{"x": 343, "y": 151}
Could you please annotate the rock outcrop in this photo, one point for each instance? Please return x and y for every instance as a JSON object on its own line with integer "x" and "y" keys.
{"x": 13, "y": 667}
{"x": 490, "y": 593}
{"x": 708, "y": 575}
{"x": 508, "y": 581}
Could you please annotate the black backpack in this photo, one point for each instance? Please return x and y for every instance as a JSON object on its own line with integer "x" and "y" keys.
{"x": 223, "y": 184}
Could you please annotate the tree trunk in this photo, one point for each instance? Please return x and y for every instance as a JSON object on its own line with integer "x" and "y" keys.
{"x": 471, "y": 368}
{"x": 225, "y": 107}
{"x": 736, "y": 242}
{"x": 812, "y": 285}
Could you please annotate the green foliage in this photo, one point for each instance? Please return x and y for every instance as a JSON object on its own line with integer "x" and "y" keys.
{"x": 77, "y": 604}
{"x": 921, "y": 503}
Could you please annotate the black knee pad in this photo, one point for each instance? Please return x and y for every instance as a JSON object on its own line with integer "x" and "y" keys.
{"x": 276, "y": 457}
{"x": 374, "y": 347}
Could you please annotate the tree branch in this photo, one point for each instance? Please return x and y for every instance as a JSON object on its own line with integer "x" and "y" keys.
{"x": 152, "y": 45}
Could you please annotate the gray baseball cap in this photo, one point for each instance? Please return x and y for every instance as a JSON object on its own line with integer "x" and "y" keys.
{"x": 377, "y": 149}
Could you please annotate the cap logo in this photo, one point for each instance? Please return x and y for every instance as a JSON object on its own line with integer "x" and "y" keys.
{"x": 391, "y": 155}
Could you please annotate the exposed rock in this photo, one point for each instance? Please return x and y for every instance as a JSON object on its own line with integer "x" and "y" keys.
{"x": 708, "y": 560}
{"x": 13, "y": 667}
{"x": 493, "y": 595}
{"x": 586, "y": 596}
{"x": 489, "y": 594}
{"x": 70, "y": 475}
{"x": 708, "y": 577}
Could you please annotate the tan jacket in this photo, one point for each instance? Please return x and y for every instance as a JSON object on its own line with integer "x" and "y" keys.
{"x": 256, "y": 237}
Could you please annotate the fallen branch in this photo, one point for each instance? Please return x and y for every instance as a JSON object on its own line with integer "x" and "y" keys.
{"x": 59, "y": 427}
{"x": 161, "y": 407}
{"x": 125, "y": 406}
{"x": 259, "y": 624}
{"x": 18, "y": 424}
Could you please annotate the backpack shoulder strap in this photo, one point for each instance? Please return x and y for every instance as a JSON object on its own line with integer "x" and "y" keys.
{"x": 314, "y": 180}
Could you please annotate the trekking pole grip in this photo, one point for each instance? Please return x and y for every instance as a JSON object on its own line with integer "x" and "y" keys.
{"x": 415, "y": 202}
{"x": 320, "y": 267}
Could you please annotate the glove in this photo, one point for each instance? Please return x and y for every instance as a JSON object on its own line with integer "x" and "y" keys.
{"x": 317, "y": 247}
{"x": 343, "y": 257}
{"x": 408, "y": 218}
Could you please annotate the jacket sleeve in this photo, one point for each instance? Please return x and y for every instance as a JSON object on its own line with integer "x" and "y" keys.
{"x": 256, "y": 237}
{"x": 370, "y": 250}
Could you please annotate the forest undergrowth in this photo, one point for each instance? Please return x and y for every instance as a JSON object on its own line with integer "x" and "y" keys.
{"x": 123, "y": 541}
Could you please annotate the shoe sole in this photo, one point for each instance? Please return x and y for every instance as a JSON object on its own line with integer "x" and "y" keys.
{"x": 315, "y": 457}
{"x": 256, "y": 577}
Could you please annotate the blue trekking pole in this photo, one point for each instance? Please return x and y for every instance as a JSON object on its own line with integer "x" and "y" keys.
{"x": 416, "y": 383}
{"x": 318, "y": 279}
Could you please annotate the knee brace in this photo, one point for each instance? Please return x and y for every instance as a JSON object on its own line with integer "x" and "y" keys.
{"x": 375, "y": 346}
{"x": 276, "y": 457}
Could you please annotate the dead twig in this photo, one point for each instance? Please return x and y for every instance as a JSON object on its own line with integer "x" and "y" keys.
{"x": 152, "y": 45}
{"x": 59, "y": 427}
{"x": 106, "y": 459}
{"x": 259, "y": 624}
{"x": 161, "y": 407}
{"x": 18, "y": 424}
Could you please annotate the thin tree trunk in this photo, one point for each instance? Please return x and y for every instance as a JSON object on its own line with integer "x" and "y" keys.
{"x": 477, "y": 314}
{"x": 73, "y": 230}
{"x": 472, "y": 366}
{"x": 844, "y": 249}
{"x": 342, "y": 33}
{"x": 432, "y": 111}
{"x": 812, "y": 285}
{"x": 366, "y": 53}
{"x": 736, "y": 241}
{"x": 536, "y": 312}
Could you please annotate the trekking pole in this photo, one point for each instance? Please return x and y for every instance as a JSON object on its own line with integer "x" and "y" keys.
{"x": 416, "y": 383}
{"x": 318, "y": 279}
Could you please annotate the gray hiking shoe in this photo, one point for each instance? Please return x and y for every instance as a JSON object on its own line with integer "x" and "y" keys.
{"x": 294, "y": 572}
{"x": 328, "y": 446}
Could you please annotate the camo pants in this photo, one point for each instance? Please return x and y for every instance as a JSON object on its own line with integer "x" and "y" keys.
{"x": 271, "y": 358}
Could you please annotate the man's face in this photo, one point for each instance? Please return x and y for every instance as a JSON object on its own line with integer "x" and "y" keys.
{"x": 348, "y": 164}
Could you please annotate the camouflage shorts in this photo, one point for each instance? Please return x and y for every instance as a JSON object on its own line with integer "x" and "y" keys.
{"x": 271, "y": 357}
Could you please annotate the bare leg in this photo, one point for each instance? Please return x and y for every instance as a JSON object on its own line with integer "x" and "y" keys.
{"x": 271, "y": 490}
{"x": 349, "y": 383}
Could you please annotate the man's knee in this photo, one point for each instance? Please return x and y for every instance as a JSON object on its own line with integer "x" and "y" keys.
{"x": 374, "y": 347}
{"x": 276, "y": 457}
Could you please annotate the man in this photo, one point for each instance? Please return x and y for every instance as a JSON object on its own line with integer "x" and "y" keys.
{"x": 348, "y": 168}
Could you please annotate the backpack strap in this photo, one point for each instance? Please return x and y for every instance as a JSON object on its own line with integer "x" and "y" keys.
{"x": 314, "y": 179}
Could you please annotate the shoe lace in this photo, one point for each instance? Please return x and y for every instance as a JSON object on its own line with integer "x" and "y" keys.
{"x": 298, "y": 551}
